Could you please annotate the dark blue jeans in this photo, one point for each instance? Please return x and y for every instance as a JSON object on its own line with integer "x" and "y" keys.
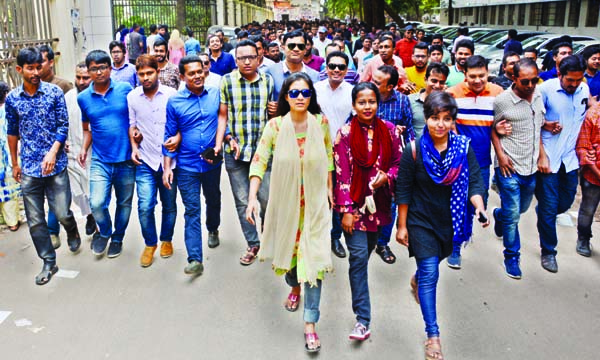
{"x": 555, "y": 194}
{"x": 103, "y": 177}
{"x": 485, "y": 175}
{"x": 190, "y": 183}
{"x": 386, "y": 231}
{"x": 53, "y": 225}
{"x": 516, "y": 193}
{"x": 149, "y": 182}
{"x": 360, "y": 245}
{"x": 428, "y": 273}
{"x": 58, "y": 191}
{"x": 589, "y": 203}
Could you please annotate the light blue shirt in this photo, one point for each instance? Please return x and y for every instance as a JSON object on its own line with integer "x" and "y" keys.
{"x": 192, "y": 47}
{"x": 569, "y": 110}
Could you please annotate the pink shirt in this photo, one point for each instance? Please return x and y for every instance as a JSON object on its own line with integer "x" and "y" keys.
{"x": 376, "y": 62}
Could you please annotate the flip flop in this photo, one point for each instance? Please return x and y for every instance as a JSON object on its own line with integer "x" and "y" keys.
{"x": 15, "y": 228}
{"x": 386, "y": 254}
{"x": 294, "y": 302}
{"x": 310, "y": 340}
{"x": 46, "y": 274}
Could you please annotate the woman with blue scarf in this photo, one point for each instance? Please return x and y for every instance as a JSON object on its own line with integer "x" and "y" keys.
{"x": 437, "y": 176}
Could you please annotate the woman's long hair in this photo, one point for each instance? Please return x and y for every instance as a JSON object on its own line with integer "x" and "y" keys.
{"x": 175, "y": 42}
{"x": 283, "y": 107}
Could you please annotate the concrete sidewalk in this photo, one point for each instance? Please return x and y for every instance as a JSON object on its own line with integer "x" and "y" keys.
{"x": 114, "y": 309}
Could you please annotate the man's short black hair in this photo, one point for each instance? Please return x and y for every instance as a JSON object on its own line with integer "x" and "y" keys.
{"x": 439, "y": 48}
{"x": 476, "y": 62}
{"x": 507, "y": 55}
{"x": 44, "y": 48}
{"x": 259, "y": 39}
{"x": 512, "y": 33}
{"x": 29, "y": 56}
{"x": 524, "y": 62}
{"x": 272, "y": 45}
{"x": 589, "y": 52}
{"x": 560, "y": 45}
{"x": 421, "y": 46}
{"x": 392, "y": 72}
{"x": 113, "y": 44}
{"x": 337, "y": 54}
{"x": 437, "y": 36}
{"x": 188, "y": 59}
{"x": 463, "y": 31}
{"x": 153, "y": 28}
{"x": 246, "y": 42}
{"x": 97, "y": 56}
{"x": 437, "y": 68}
{"x": 293, "y": 34}
{"x": 161, "y": 42}
{"x": 571, "y": 63}
{"x": 468, "y": 44}
{"x": 531, "y": 49}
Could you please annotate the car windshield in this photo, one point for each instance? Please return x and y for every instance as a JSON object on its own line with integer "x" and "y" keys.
{"x": 533, "y": 41}
{"x": 478, "y": 34}
{"x": 492, "y": 39}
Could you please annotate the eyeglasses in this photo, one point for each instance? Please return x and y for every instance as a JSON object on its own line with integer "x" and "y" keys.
{"x": 116, "y": 52}
{"x": 292, "y": 46}
{"x": 525, "y": 82}
{"x": 306, "y": 93}
{"x": 247, "y": 58}
{"x": 332, "y": 67}
{"x": 100, "y": 68}
{"x": 206, "y": 62}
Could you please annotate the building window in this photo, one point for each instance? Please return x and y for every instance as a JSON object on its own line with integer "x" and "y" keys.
{"x": 476, "y": 16}
{"x": 521, "y": 20}
{"x": 548, "y": 14}
{"x": 484, "y": 16}
{"x": 501, "y": 15}
{"x": 493, "y": 15}
{"x": 574, "y": 7}
{"x": 467, "y": 11}
{"x": 510, "y": 15}
{"x": 592, "y": 13}
{"x": 457, "y": 15}
{"x": 535, "y": 16}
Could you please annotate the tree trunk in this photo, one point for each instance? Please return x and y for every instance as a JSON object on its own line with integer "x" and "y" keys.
{"x": 180, "y": 15}
{"x": 393, "y": 14}
{"x": 373, "y": 12}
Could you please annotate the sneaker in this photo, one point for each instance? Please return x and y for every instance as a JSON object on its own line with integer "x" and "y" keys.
{"x": 583, "y": 247}
{"x": 249, "y": 256}
{"x": 213, "y": 239}
{"x": 166, "y": 249}
{"x": 497, "y": 223}
{"x": 55, "y": 239}
{"x": 147, "y": 256}
{"x": 74, "y": 242}
{"x": 360, "y": 332}
{"x": 90, "y": 225}
{"x": 114, "y": 249}
{"x": 99, "y": 244}
{"x": 549, "y": 263}
{"x": 454, "y": 261}
{"x": 511, "y": 265}
{"x": 194, "y": 268}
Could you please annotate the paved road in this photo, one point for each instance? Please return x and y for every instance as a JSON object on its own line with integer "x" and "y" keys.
{"x": 114, "y": 309}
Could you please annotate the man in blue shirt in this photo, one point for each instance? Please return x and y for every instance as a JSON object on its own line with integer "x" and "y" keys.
{"x": 513, "y": 44}
{"x": 560, "y": 51}
{"x": 36, "y": 112}
{"x": 121, "y": 69}
{"x": 591, "y": 56}
{"x": 221, "y": 62}
{"x": 566, "y": 102}
{"x": 104, "y": 110}
{"x": 192, "y": 46}
{"x": 193, "y": 112}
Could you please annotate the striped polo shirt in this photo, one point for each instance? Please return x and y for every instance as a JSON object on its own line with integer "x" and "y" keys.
{"x": 475, "y": 117}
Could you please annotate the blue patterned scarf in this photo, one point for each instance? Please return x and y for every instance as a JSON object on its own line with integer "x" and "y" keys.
{"x": 452, "y": 170}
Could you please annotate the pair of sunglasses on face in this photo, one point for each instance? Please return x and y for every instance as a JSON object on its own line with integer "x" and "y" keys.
{"x": 293, "y": 94}
{"x": 292, "y": 46}
{"x": 332, "y": 66}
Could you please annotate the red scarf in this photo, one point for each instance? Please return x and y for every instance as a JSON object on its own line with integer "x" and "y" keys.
{"x": 362, "y": 162}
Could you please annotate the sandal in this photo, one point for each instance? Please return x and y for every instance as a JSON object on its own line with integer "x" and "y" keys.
{"x": 414, "y": 288}
{"x": 311, "y": 345}
{"x": 249, "y": 256}
{"x": 15, "y": 228}
{"x": 293, "y": 300}
{"x": 46, "y": 274}
{"x": 433, "y": 349}
{"x": 386, "y": 254}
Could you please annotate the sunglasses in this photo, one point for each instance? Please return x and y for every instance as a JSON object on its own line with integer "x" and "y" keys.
{"x": 525, "y": 82}
{"x": 292, "y": 46}
{"x": 100, "y": 68}
{"x": 293, "y": 94}
{"x": 342, "y": 67}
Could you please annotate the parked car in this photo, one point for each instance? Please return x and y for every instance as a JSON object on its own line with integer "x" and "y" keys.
{"x": 580, "y": 46}
{"x": 498, "y": 40}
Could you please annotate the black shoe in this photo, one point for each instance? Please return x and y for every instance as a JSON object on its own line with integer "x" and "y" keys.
{"x": 583, "y": 247}
{"x": 338, "y": 248}
{"x": 213, "y": 239}
{"x": 90, "y": 225}
{"x": 74, "y": 242}
{"x": 549, "y": 263}
{"x": 114, "y": 249}
{"x": 497, "y": 223}
{"x": 99, "y": 244}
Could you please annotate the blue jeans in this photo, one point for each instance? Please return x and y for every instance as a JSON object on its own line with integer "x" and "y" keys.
{"x": 312, "y": 296}
{"x": 555, "y": 194}
{"x": 103, "y": 177}
{"x": 238, "y": 172}
{"x": 53, "y": 225}
{"x": 427, "y": 275}
{"x": 58, "y": 191}
{"x": 589, "y": 203}
{"x": 516, "y": 193}
{"x": 149, "y": 182}
{"x": 360, "y": 245}
{"x": 190, "y": 183}
{"x": 485, "y": 175}
{"x": 386, "y": 231}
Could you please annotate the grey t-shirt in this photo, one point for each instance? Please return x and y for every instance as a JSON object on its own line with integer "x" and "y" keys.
{"x": 135, "y": 49}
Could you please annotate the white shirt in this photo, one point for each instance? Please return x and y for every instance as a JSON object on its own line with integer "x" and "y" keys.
{"x": 150, "y": 40}
{"x": 75, "y": 136}
{"x": 320, "y": 45}
{"x": 360, "y": 55}
{"x": 265, "y": 64}
{"x": 336, "y": 104}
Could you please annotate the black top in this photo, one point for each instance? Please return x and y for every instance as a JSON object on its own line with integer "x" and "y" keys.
{"x": 429, "y": 222}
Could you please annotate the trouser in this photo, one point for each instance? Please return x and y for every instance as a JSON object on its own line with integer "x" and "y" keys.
{"x": 56, "y": 189}
{"x": 360, "y": 245}
{"x": 149, "y": 183}
{"x": 427, "y": 275}
{"x": 238, "y": 172}
{"x": 312, "y": 296}
{"x": 386, "y": 231}
{"x": 10, "y": 212}
{"x": 190, "y": 183}
{"x": 555, "y": 194}
{"x": 589, "y": 203}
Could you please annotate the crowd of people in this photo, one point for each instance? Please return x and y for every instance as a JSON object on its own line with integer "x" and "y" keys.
{"x": 324, "y": 130}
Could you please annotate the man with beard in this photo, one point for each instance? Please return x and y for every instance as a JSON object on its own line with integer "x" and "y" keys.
{"x": 168, "y": 73}
{"x": 221, "y": 61}
{"x": 121, "y": 70}
{"x": 37, "y": 114}
{"x": 273, "y": 52}
{"x": 47, "y": 74}
{"x": 416, "y": 73}
{"x": 519, "y": 155}
{"x": 147, "y": 116}
{"x": 311, "y": 60}
{"x": 464, "y": 50}
{"x": 508, "y": 63}
{"x": 566, "y": 102}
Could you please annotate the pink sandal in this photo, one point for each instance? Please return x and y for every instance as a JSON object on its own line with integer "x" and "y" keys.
{"x": 311, "y": 339}
{"x": 294, "y": 301}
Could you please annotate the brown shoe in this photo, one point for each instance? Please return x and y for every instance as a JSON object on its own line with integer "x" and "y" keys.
{"x": 249, "y": 256}
{"x": 166, "y": 249}
{"x": 148, "y": 256}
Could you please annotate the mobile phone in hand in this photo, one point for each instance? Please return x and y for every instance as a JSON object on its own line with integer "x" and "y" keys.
{"x": 482, "y": 218}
